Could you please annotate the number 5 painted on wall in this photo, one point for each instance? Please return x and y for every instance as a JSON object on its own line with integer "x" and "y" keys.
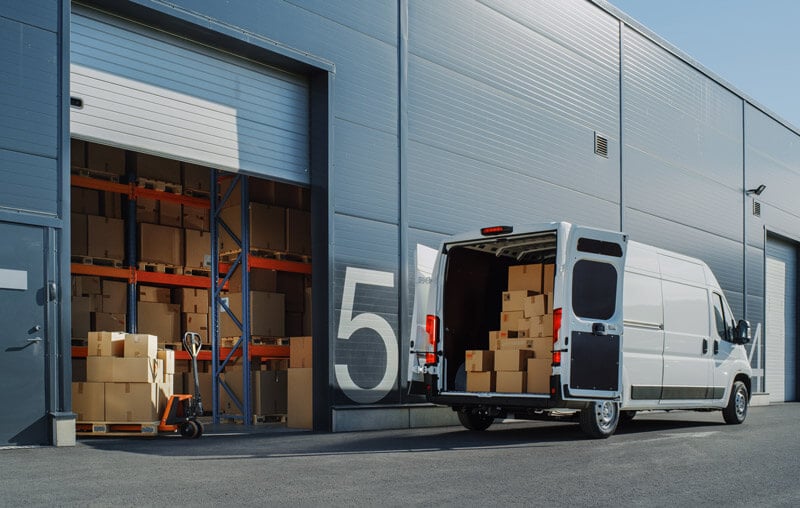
{"x": 348, "y": 325}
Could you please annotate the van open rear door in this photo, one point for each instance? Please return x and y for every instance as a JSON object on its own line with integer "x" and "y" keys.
{"x": 590, "y": 337}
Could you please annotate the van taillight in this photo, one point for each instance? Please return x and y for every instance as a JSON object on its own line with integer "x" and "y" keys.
{"x": 432, "y": 329}
{"x": 556, "y": 331}
{"x": 496, "y": 230}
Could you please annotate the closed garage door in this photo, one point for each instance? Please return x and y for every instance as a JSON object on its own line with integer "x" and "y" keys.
{"x": 781, "y": 321}
{"x": 147, "y": 91}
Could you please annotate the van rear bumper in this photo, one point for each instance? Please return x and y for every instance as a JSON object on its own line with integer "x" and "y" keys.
{"x": 506, "y": 401}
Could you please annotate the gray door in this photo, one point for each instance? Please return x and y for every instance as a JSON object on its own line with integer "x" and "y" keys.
{"x": 780, "y": 337}
{"x": 22, "y": 335}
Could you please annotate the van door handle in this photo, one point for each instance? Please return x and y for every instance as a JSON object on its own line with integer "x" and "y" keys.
{"x": 705, "y": 346}
{"x": 598, "y": 329}
{"x": 716, "y": 347}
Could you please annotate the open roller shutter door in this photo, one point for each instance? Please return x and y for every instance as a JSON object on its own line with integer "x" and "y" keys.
{"x": 781, "y": 321}
{"x": 148, "y": 91}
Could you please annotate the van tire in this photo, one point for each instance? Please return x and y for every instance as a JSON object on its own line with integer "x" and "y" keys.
{"x": 600, "y": 419}
{"x": 736, "y": 410}
{"x": 476, "y": 422}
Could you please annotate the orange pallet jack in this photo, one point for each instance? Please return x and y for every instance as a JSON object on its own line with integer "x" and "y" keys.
{"x": 182, "y": 409}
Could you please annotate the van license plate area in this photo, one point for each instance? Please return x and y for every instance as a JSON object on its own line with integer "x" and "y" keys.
{"x": 594, "y": 362}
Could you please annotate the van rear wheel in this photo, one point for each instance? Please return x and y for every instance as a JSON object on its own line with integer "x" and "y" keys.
{"x": 600, "y": 419}
{"x": 736, "y": 411}
{"x": 472, "y": 421}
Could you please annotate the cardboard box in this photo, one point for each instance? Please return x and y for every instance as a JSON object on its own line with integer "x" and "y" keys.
{"x": 168, "y": 357}
{"x": 160, "y": 319}
{"x": 170, "y": 214}
{"x": 497, "y": 335}
{"x": 293, "y": 324}
{"x": 106, "y": 237}
{"x": 105, "y": 158}
{"x": 132, "y": 402}
{"x": 81, "y": 313}
{"x": 79, "y": 369}
{"x": 267, "y": 227}
{"x": 88, "y": 402}
{"x": 290, "y": 195}
{"x": 543, "y": 347}
{"x": 522, "y": 277}
{"x": 196, "y": 218}
{"x": 511, "y": 359}
{"x": 111, "y": 205}
{"x": 165, "y": 390}
{"x": 292, "y": 285}
{"x": 510, "y": 320}
{"x": 204, "y": 378}
{"x": 548, "y": 277}
{"x": 513, "y": 301}
{"x": 85, "y": 201}
{"x": 161, "y": 244}
{"x": 147, "y": 210}
{"x": 79, "y": 240}
{"x": 115, "y": 297}
{"x": 260, "y": 280}
{"x": 266, "y": 315}
{"x": 479, "y": 360}
{"x": 517, "y": 343}
{"x": 141, "y": 345}
{"x": 539, "y": 326}
{"x": 86, "y": 285}
{"x": 299, "y": 404}
{"x": 158, "y": 168}
{"x": 100, "y": 369}
{"x": 270, "y": 395}
{"x": 511, "y": 382}
{"x": 197, "y": 323}
{"x": 106, "y": 344}
{"x": 77, "y": 153}
{"x": 300, "y": 352}
{"x": 539, "y": 370}
{"x": 137, "y": 370}
{"x": 155, "y": 294}
{"x": 198, "y": 249}
{"x": 298, "y": 231}
{"x": 196, "y": 177}
{"x": 105, "y": 322}
{"x": 193, "y": 300}
{"x": 481, "y": 381}
{"x": 549, "y": 299}
{"x": 535, "y": 306}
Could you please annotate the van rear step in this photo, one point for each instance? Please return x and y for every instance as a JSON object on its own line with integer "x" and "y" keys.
{"x": 147, "y": 429}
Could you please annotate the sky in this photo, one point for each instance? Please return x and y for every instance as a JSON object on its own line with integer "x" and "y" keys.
{"x": 754, "y": 45}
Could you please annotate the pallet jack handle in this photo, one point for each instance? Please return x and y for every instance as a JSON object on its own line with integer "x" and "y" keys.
{"x": 193, "y": 344}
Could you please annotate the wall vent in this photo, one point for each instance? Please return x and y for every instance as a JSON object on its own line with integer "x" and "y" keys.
{"x": 756, "y": 208}
{"x": 600, "y": 145}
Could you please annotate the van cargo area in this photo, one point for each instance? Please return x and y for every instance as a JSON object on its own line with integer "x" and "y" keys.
{"x": 486, "y": 287}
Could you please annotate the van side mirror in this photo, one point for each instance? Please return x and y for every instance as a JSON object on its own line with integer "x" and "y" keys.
{"x": 742, "y": 332}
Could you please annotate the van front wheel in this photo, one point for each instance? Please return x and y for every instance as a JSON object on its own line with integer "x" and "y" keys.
{"x": 473, "y": 421}
{"x": 736, "y": 411}
{"x": 600, "y": 419}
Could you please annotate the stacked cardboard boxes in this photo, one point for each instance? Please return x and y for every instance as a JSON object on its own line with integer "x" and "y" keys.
{"x": 519, "y": 356}
{"x": 300, "y": 413}
{"x": 127, "y": 379}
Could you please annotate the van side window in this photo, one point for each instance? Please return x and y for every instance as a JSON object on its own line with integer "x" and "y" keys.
{"x": 719, "y": 317}
{"x": 594, "y": 289}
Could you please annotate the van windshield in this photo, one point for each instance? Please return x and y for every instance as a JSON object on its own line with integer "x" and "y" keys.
{"x": 594, "y": 289}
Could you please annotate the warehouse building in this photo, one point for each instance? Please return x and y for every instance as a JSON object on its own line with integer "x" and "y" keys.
{"x": 333, "y": 140}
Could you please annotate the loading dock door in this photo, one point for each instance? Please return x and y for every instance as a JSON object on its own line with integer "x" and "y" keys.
{"x": 145, "y": 90}
{"x": 781, "y": 321}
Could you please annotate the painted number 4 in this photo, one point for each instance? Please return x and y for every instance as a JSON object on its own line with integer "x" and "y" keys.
{"x": 348, "y": 325}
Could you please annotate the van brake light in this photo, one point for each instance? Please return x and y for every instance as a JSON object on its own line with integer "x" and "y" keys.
{"x": 556, "y": 330}
{"x": 496, "y": 230}
{"x": 432, "y": 329}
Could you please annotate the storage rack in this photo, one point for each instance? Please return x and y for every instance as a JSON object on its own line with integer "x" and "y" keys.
{"x": 219, "y": 356}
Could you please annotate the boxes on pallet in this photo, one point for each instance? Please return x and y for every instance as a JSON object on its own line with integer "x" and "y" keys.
{"x": 158, "y": 168}
{"x": 260, "y": 280}
{"x": 298, "y": 231}
{"x": 270, "y": 395}
{"x": 106, "y": 344}
{"x": 196, "y": 218}
{"x": 197, "y": 323}
{"x": 105, "y": 237}
{"x": 132, "y": 402}
{"x": 539, "y": 370}
{"x": 299, "y": 405}
{"x": 160, "y": 319}
{"x": 86, "y": 201}
{"x": 196, "y": 178}
{"x": 81, "y": 313}
{"x": 266, "y": 315}
{"x": 510, "y": 320}
{"x": 111, "y": 205}
{"x": 155, "y": 294}
{"x": 161, "y": 244}
{"x": 267, "y": 227}
{"x": 511, "y": 359}
{"x": 88, "y": 401}
{"x": 292, "y": 285}
{"x": 141, "y": 345}
{"x": 481, "y": 381}
{"x": 108, "y": 369}
{"x": 525, "y": 277}
{"x": 170, "y": 214}
{"x": 511, "y": 381}
{"x": 85, "y": 285}
{"x": 198, "y": 248}
{"x": 79, "y": 240}
{"x": 192, "y": 300}
{"x": 102, "y": 321}
{"x": 115, "y": 297}
{"x": 147, "y": 210}
{"x": 513, "y": 301}
{"x": 300, "y": 352}
{"x": 479, "y": 360}
{"x": 293, "y": 323}
{"x": 105, "y": 158}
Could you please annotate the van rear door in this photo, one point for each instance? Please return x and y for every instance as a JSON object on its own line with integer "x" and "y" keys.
{"x": 590, "y": 338}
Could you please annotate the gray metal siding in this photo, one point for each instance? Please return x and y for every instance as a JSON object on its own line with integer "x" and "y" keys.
{"x": 38, "y": 13}
{"x": 780, "y": 334}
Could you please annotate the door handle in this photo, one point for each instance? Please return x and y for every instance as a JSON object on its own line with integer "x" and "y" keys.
{"x": 35, "y": 339}
{"x": 705, "y": 346}
{"x": 716, "y": 347}
{"x": 598, "y": 329}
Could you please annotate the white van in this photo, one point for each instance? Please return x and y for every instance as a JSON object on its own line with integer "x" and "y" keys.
{"x": 633, "y": 328}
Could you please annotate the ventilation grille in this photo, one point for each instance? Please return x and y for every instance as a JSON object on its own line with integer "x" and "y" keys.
{"x": 601, "y": 145}
{"x": 757, "y": 208}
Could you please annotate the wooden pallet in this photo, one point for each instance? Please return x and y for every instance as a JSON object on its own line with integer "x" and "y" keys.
{"x": 147, "y": 183}
{"x": 265, "y": 419}
{"x": 92, "y": 260}
{"x": 146, "y": 429}
{"x": 94, "y": 173}
{"x": 195, "y": 193}
{"x": 231, "y": 255}
{"x": 262, "y": 341}
{"x": 199, "y": 272}
{"x": 146, "y": 266}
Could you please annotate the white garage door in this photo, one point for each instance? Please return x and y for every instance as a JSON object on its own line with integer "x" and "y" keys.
{"x": 151, "y": 92}
{"x": 781, "y": 321}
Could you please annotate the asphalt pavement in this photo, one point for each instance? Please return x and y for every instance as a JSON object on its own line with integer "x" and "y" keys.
{"x": 658, "y": 459}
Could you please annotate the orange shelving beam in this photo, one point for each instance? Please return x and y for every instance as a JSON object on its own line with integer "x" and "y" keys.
{"x": 101, "y": 271}
{"x": 192, "y": 281}
{"x": 256, "y": 351}
{"x": 101, "y": 185}
{"x": 133, "y": 191}
{"x": 273, "y": 264}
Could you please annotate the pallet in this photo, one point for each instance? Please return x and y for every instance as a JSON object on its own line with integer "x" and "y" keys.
{"x": 198, "y": 272}
{"x": 96, "y": 174}
{"x": 261, "y": 341}
{"x": 272, "y": 418}
{"x": 146, "y": 266}
{"x": 147, "y": 183}
{"x": 195, "y": 193}
{"x": 92, "y": 260}
{"x": 146, "y": 429}
{"x": 231, "y": 255}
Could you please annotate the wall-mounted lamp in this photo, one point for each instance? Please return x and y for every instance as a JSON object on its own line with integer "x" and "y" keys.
{"x": 757, "y": 191}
